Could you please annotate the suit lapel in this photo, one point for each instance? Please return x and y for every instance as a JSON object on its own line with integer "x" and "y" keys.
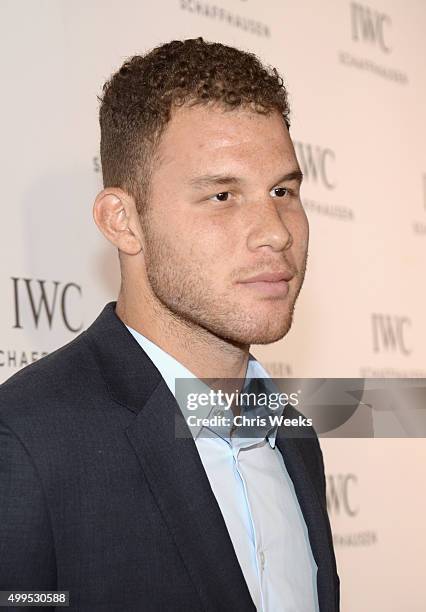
{"x": 316, "y": 519}
{"x": 172, "y": 466}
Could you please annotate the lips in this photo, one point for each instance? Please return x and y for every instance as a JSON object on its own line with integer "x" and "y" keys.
{"x": 270, "y": 277}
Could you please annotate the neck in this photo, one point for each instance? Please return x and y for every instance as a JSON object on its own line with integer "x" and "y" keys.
{"x": 203, "y": 353}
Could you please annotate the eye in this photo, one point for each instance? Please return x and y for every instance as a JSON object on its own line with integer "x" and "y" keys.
{"x": 221, "y": 197}
{"x": 280, "y": 192}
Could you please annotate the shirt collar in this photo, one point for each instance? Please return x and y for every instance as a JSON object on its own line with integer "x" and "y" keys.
{"x": 171, "y": 369}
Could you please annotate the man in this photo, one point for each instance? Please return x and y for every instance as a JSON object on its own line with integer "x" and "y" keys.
{"x": 100, "y": 496}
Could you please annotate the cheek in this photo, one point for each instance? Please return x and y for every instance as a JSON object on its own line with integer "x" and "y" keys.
{"x": 213, "y": 239}
{"x": 299, "y": 228}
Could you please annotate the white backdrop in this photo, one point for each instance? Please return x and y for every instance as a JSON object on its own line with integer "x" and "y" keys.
{"x": 357, "y": 84}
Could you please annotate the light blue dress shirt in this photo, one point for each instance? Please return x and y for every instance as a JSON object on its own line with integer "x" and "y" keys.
{"x": 259, "y": 505}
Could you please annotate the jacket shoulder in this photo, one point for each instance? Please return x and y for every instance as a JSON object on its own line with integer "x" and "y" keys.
{"x": 67, "y": 372}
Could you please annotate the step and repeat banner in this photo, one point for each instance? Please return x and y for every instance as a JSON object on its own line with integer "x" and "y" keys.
{"x": 357, "y": 84}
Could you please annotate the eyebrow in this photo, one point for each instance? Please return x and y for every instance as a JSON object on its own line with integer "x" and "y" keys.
{"x": 207, "y": 180}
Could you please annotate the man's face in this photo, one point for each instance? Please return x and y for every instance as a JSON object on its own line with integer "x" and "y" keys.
{"x": 201, "y": 247}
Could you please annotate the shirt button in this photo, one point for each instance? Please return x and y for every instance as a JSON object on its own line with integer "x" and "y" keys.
{"x": 219, "y": 413}
{"x": 262, "y": 560}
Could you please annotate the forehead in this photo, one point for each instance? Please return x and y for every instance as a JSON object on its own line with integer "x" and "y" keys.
{"x": 211, "y": 134}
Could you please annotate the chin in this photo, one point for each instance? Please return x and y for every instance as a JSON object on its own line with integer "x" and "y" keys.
{"x": 269, "y": 336}
{"x": 261, "y": 331}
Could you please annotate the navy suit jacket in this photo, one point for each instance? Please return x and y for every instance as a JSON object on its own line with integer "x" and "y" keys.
{"x": 99, "y": 497}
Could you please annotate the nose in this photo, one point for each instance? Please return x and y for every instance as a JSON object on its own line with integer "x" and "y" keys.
{"x": 269, "y": 230}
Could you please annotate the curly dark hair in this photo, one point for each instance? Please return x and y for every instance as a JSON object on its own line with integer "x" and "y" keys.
{"x": 138, "y": 99}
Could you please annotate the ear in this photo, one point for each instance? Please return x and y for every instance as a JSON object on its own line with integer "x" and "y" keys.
{"x": 115, "y": 214}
